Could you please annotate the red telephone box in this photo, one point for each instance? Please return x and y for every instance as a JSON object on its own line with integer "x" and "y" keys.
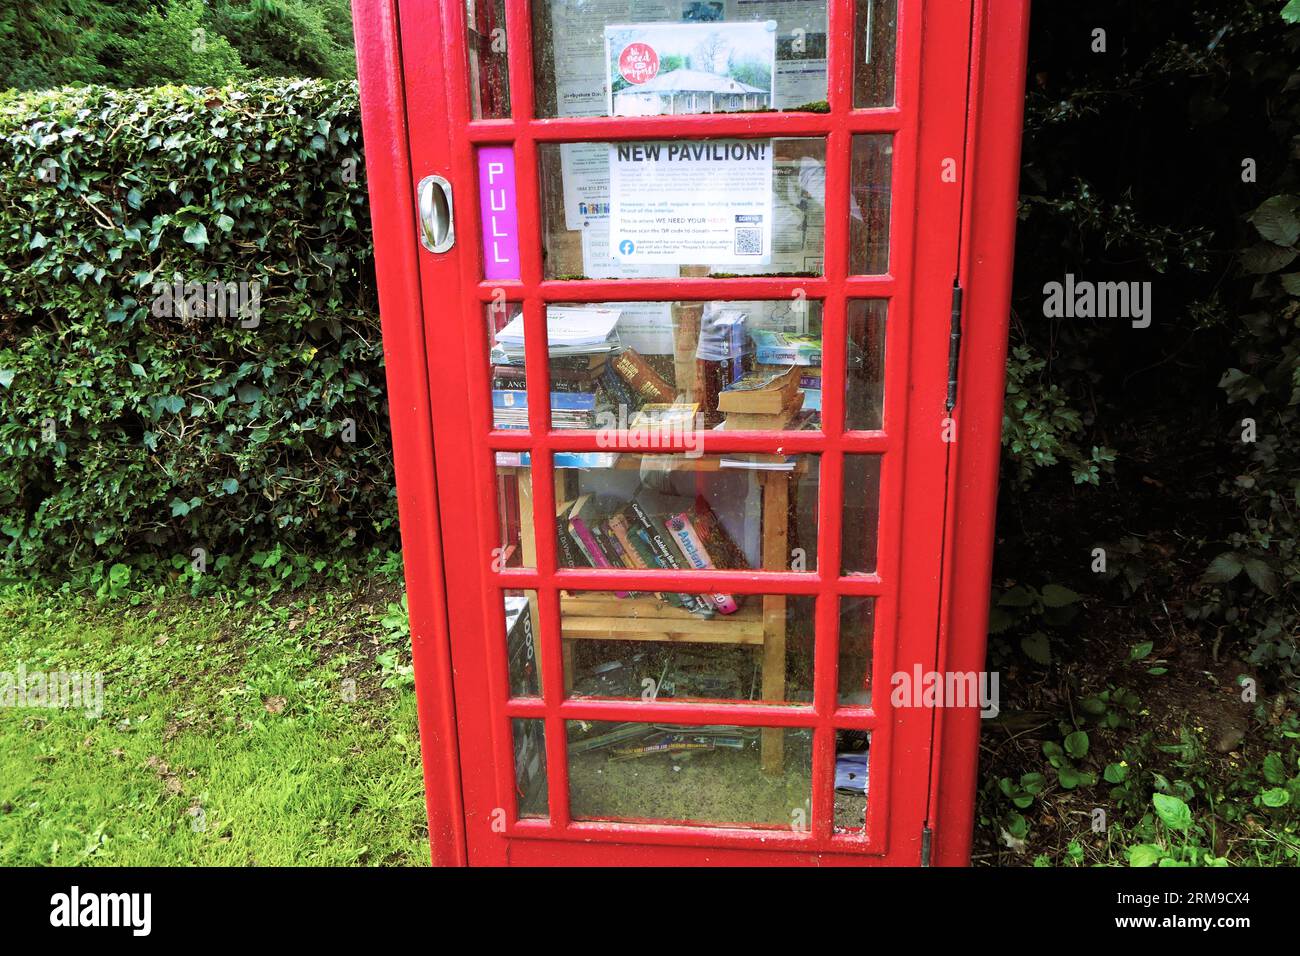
{"x": 695, "y": 321}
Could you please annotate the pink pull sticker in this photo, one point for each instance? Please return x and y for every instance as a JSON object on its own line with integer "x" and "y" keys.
{"x": 496, "y": 192}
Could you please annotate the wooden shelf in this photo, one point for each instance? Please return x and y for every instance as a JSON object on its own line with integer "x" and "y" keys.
{"x": 649, "y": 619}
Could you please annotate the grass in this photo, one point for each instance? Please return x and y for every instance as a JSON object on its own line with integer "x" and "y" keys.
{"x": 283, "y": 734}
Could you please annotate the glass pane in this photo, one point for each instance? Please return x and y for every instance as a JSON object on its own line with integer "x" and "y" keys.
{"x": 864, "y": 386}
{"x": 654, "y": 57}
{"x": 523, "y": 646}
{"x": 685, "y": 774}
{"x": 652, "y": 647}
{"x": 852, "y": 748}
{"x": 530, "y": 766}
{"x": 874, "y": 43}
{"x": 861, "y": 513}
{"x": 657, "y": 366}
{"x": 516, "y": 547}
{"x": 872, "y": 161}
{"x": 683, "y": 208}
{"x": 857, "y": 631}
{"x": 677, "y": 512}
{"x": 489, "y": 75}
{"x": 509, "y": 381}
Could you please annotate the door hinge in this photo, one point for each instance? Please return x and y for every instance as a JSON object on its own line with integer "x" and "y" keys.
{"x": 926, "y": 835}
{"x": 954, "y": 344}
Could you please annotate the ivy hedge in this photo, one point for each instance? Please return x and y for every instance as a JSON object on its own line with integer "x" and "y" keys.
{"x": 190, "y": 352}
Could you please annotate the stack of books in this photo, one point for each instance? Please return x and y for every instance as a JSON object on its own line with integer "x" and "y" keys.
{"x": 582, "y": 373}
{"x": 782, "y": 349}
{"x": 650, "y": 531}
{"x": 766, "y": 398}
{"x": 568, "y": 409}
{"x": 570, "y": 331}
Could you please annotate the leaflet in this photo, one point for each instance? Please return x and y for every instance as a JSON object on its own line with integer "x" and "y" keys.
{"x": 681, "y": 201}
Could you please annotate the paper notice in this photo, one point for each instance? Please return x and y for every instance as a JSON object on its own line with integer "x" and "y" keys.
{"x": 676, "y": 201}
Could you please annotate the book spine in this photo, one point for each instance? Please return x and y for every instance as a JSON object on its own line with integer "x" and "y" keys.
{"x": 788, "y": 355}
{"x": 613, "y": 549}
{"x": 697, "y": 556}
{"x": 617, "y": 527}
{"x": 641, "y": 541}
{"x": 580, "y": 545}
{"x": 717, "y": 542}
{"x": 644, "y": 380}
{"x": 598, "y": 559}
{"x": 560, "y": 401}
{"x": 568, "y": 552}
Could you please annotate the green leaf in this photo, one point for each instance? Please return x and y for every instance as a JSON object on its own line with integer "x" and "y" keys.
{"x": 1274, "y": 768}
{"x": 230, "y": 486}
{"x": 1054, "y": 595}
{"x": 1139, "y": 651}
{"x": 1076, "y": 744}
{"x": 1018, "y": 596}
{"x": 196, "y": 234}
{"x": 1173, "y": 812}
{"x": 179, "y": 508}
{"x": 1037, "y": 647}
{"x": 1000, "y": 620}
{"x": 1144, "y": 854}
{"x": 1291, "y": 12}
{"x": 1223, "y": 569}
{"x": 1070, "y": 778}
{"x": 1262, "y": 576}
{"x": 1276, "y": 797}
{"x": 1276, "y": 220}
{"x": 1242, "y": 387}
{"x": 6, "y": 377}
{"x": 1115, "y": 773}
{"x": 1265, "y": 257}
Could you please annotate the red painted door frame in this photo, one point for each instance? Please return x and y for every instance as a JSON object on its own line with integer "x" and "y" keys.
{"x": 416, "y": 123}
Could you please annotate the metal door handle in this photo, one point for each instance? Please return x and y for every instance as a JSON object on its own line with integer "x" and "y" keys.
{"x": 437, "y": 215}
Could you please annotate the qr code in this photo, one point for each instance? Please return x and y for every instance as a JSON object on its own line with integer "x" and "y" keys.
{"x": 749, "y": 241}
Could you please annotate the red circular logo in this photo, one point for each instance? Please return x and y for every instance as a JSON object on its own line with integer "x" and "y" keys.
{"x": 638, "y": 62}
